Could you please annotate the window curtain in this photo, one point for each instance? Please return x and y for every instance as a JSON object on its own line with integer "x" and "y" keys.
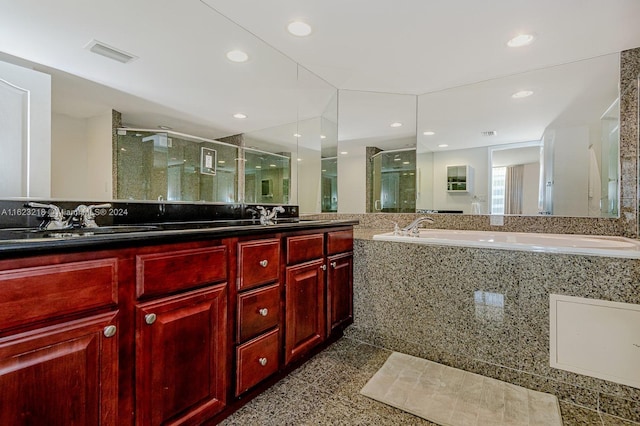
{"x": 513, "y": 189}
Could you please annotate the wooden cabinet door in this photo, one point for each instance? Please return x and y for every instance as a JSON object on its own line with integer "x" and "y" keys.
{"x": 181, "y": 372}
{"x": 65, "y": 374}
{"x": 305, "y": 308}
{"x": 339, "y": 291}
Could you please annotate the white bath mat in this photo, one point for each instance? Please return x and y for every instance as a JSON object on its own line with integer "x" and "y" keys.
{"x": 453, "y": 397}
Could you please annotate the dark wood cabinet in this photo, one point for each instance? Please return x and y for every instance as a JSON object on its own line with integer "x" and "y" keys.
{"x": 166, "y": 334}
{"x": 64, "y": 374}
{"x": 339, "y": 291}
{"x": 339, "y": 280}
{"x": 305, "y": 308}
{"x": 258, "y": 310}
{"x": 257, "y": 359}
{"x": 181, "y": 357}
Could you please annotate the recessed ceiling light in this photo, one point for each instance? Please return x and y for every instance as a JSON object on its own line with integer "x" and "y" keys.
{"x": 237, "y": 56}
{"x": 323, "y": 170}
{"x": 240, "y": 115}
{"x": 323, "y": 137}
{"x": 405, "y": 162}
{"x": 221, "y": 161}
{"x": 299, "y": 159}
{"x": 443, "y": 145}
{"x": 258, "y": 167}
{"x": 397, "y": 159}
{"x": 522, "y": 94}
{"x": 165, "y": 127}
{"x": 428, "y": 133}
{"x": 123, "y": 149}
{"x": 297, "y": 135}
{"x": 343, "y": 152}
{"x": 299, "y": 28}
{"x": 395, "y": 124}
{"x": 272, "y": 165}
{"x": 521, "y": 40}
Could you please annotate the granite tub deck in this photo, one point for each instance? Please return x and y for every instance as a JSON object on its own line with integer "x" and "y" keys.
{"x": 486, "y": 311}
{"x": 326, "y": 391}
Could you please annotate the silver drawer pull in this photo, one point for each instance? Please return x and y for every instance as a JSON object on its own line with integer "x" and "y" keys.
{"x": 334, "y": 265}
{"x": 264, "y": 263}
{"x": 150, "y": 318}
{"x": 264, "y": 312}
{"x": 109, "y": 331}
{"x": 323, "y": 267}
{"x": 262, "y": 361}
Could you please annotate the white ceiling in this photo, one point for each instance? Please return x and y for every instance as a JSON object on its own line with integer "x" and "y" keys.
{"x": 181, "y": 77}
{"x": 418, "y": 46}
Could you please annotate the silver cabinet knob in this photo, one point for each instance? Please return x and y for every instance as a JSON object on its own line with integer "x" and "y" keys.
{"x": 334, "y": 265}
{"x": 109, "y": 331}
{"x": 264, "y": 263}
{"x": 150, "y": 318}
{"x": 264, "y": 312}
{"x": 262, "y": 361}
{"x": 323, "y": 267}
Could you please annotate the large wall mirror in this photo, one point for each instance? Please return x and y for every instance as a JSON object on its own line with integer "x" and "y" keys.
{"x": 376, "y": 152}
{"x": 261, "y": 124}
{"x": 540, "y": 142}
{"x": 553, "y": 152}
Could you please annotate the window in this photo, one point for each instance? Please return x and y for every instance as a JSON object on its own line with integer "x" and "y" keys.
{"x": 498, "y": 175}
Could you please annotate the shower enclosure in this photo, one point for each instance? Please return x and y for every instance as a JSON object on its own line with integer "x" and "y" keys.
{"x": 393, "y": 181}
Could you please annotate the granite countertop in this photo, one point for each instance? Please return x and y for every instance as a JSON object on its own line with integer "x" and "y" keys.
{"x": 27, "y": 241}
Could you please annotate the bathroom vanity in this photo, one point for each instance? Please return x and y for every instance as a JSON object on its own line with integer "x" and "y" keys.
{"x": 165, "y": 326}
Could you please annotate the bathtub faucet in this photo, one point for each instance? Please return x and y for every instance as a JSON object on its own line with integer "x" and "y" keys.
{"x": 412, "y": 229}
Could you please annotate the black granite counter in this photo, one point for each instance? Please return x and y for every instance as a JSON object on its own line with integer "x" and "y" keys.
{"x": 27, "y": 241}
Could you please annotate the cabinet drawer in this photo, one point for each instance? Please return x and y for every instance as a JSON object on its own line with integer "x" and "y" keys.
{"x": 29, "y": 295}
{"x": 258, "y": 310}
{"x": 258, "y": 262}
{"x": 257, "y": 360}
{"x": 168, "y": 272}
{"x": 339, "y": 242}
{"x": 304, "y": 247}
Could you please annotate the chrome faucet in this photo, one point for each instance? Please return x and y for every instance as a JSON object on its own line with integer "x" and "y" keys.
{"x": 266, "y": 216}
{"x": 83, "y": 216}
{"x": 86, "y": 215}
{"x": 53, "y": 219}
{"x": 412, "y": 229}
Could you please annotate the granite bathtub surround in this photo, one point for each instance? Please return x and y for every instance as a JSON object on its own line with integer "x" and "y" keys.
{"x": 487, "y": 311}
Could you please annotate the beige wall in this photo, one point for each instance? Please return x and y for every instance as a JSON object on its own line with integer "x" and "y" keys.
{"x": 68, "y": 157}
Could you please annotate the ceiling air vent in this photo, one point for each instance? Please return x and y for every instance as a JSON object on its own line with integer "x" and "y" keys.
{"x": 489, "y": 133}
{"x": 110, "y": 52}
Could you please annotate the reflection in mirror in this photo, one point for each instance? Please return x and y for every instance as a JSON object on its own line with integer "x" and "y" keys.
{"x": 316, "y": 133}
{"x": 515, "y": 186}
{"x": 192, "y": 94}
{"x": 329, "y": 184}
{"x": 369, "y": 124}
{"x": 393, "y": 180}
{"x": 174, "y": 167}
{"x": 570, "y": 110}
{"x": 267, "y": 177}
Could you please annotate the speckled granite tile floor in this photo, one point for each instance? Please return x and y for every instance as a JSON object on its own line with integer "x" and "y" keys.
{"x": 326, "y": 391}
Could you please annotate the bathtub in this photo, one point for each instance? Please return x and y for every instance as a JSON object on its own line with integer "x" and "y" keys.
{"x": 547, "y": 243}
